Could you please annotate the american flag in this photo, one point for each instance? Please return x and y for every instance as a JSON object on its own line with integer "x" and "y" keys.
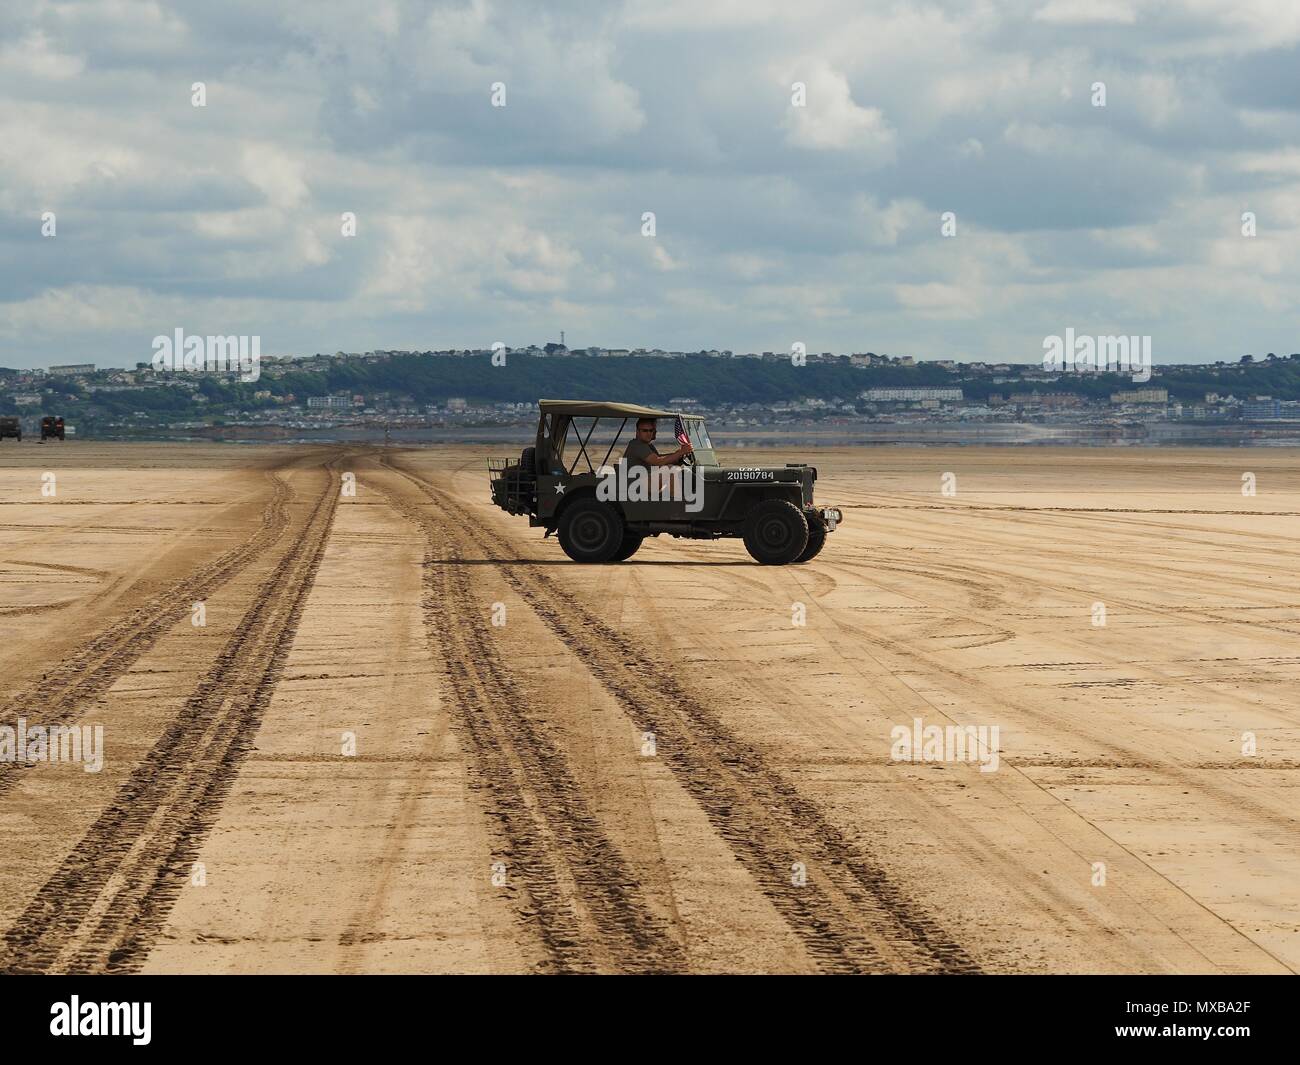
{"x": 679, "y": 427}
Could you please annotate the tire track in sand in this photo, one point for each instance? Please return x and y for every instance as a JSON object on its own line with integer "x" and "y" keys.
{"x": 105, "y": 905}
{"x": 850, "y": 916}
{"x": 60, "y": 695}
{"x": 581, "y": 900}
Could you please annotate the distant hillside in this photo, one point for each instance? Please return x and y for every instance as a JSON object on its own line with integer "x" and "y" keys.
{"x": 524, "y": 379}
{"x": 712, "y": 381}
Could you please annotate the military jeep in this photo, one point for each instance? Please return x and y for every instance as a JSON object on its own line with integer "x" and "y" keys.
{"x": 573, "y": 481}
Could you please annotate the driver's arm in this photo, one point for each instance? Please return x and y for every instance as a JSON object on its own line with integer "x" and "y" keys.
{"x": 671, "y": 459}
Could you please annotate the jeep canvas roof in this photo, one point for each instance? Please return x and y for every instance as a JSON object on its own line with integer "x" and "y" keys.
{"x": 581, "y": 408}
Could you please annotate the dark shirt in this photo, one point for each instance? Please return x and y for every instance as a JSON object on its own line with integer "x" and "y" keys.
{"x": 637, "y": 451}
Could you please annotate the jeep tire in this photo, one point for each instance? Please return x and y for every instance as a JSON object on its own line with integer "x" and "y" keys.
{"x": 776, "y": 532}
{"x": 631, "y": 544}
{"x": 591, "y": 531}
{"x": 816, "y": 535}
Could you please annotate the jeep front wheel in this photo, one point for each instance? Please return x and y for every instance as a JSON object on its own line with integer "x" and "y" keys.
{"x": 591, "y": 531}
{"x": 816, "y": 535}
{"x": 776, "y": 532}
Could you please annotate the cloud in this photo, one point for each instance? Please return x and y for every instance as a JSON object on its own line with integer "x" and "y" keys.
{"x": 830, "y": 120}
{"x": 1079, "y": 12}
{"x": 34, "y": 57}
{"x": 775, "y": 223}
{"x": 937, "y": 299}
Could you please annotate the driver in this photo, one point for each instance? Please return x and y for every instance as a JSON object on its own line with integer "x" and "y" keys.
{"x": 642, "y": 452}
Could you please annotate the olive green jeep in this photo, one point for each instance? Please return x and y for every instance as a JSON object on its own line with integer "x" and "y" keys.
{"x": 574, "y": 481}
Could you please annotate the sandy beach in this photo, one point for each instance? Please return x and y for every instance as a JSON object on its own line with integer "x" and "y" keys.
{"x": 397, "y": 731}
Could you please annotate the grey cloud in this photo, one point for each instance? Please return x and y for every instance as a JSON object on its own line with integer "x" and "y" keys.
{"x": 480, "y": 223}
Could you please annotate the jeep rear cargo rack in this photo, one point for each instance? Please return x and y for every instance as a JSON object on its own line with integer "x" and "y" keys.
{"x": 513, "y": 490}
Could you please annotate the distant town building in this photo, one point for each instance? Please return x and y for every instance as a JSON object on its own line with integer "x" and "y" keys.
{"x": 1261, "y": 407}
{"x": 911, "y": 395}
{"x": 329, "y": 402}
{"x": 1141, "y": 395}
{"x": 71, "y": 370}
{"x": 1047, "y": 399}
{"x": 27, "y": 399}
{"x": 456, "y": 404}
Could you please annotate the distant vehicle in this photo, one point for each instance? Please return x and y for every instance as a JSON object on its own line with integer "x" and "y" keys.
{"x": 50, "y": 427}
{"x": 11, "y": 426}
{"x": 559, "y": 484}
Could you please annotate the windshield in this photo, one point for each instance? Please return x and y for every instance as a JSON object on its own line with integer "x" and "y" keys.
{"x": 698, "y": 434}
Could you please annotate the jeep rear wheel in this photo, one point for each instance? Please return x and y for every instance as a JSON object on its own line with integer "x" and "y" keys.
{"x": 776, "y": 532}
{"x": 631, "y": 544}
{"x": 591, "y": 531}
{"x": 816, "y": 536}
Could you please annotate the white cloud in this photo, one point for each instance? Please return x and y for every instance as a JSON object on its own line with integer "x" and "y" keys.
{"x": 662, "y": 260}
{"x": 279, "y": 175}
{"x": 832, "y": 120}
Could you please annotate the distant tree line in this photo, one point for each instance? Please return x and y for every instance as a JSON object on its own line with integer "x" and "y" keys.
{"x": 712, "y": 381}
{"x": 715, "y": 381}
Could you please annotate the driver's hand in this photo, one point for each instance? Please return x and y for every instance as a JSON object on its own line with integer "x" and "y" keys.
{"x": 688, "y": 448}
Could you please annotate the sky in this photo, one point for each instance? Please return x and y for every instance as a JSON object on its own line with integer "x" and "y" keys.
{"x": 798, "y": 159}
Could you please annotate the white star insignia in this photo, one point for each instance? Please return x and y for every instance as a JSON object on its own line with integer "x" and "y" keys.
{"x": 559, "y": 489}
